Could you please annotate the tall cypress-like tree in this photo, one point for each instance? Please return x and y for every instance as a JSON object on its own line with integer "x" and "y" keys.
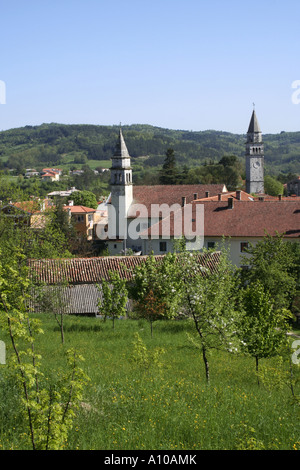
{"x": 169, "y": 172}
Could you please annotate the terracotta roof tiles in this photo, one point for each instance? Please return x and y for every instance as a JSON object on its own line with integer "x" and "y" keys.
{"x": 93, "y": 270}
{"x": 173, "y": 194}
{"x": 244, "y": 219}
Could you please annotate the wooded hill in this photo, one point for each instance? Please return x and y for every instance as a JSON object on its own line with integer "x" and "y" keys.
{"x": 66, "y": 145}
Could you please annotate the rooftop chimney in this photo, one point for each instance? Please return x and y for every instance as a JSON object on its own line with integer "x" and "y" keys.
{"x": 183, "y": 201}
{"x": 71, "y": 203}
{"x": 280, "y": 197}
{"x": 238, "y": 195}
{"x": 220, "y": 197}
{"x": 261, "y": 198}
{"x": 230, "y": 203}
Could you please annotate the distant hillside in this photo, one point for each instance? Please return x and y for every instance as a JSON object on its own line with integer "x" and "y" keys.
{"x": 69, "y": 145}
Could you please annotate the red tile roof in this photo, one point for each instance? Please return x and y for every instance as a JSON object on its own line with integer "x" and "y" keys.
{"x": 79, "y": 209}
{"x": 173, "y": 194}
{"x": 252, "y": 220}
{"x": 51, "y": 170}
{"x": 239, "y": 195}
{"x": 245, "y": 219}
{"x": 93, "y": 270}
{"x": 28, "y": 206}
{"x": 33, "y": 206}
{"x": 243, "y": 196}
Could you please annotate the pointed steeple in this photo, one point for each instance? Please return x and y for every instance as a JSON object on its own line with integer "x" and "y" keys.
{"x": 254, "y": 158}
{"x": 121, "y": 149}
{"x": 254, "y": 126}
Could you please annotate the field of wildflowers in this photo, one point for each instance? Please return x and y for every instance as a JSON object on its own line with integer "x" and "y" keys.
{"x": 150, "y": 392}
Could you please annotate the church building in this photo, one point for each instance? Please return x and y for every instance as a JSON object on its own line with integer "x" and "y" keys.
{"x": 133, "y": 209}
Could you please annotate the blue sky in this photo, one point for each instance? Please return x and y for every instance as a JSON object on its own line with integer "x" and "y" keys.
{"x": 179, "y": 64}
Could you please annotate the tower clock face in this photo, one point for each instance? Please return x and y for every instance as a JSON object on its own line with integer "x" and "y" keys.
{"x": 256, "y": 164}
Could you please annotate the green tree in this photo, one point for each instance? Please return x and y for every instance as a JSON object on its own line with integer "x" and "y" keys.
{"x": 228, "y": 160}
{"x": 210, "y": 299}
{"x": 274, "y": 262}
{"x": 273, "y": 187}
{"x": 263, "y": 329}
{"x": 85, "y": 198}
{"x": 113, "y": 297}
{"x": 49, "y": 239}
{"x": 154, "y": 288}
{"x": 169, "y": 173}
{"x": 47, "y": 409}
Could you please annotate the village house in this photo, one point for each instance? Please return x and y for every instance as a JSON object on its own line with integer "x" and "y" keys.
{"x": 31, "y": 173}
{"x": 239, "y": 221}
{"x": 66, "y": 193}
{"x": 85, "y": 219}
{"x": 31, "y": 213}
{"x": 51, "y": 174}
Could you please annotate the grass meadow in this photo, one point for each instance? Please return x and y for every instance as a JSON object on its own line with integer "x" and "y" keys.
{"x": 166, "y": 406}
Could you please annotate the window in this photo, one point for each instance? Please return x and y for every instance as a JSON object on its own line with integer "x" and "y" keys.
{"x": 244, "y": 246}
{"x": 80, "y": 218}
{"x": 211, "y": 245}
{"x": 90, "y": 217}
{"x": 162, "y": 246}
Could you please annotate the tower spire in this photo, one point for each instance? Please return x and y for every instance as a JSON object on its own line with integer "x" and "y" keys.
{"x": 254, "y": 126}
{"x": 121, "y": 149}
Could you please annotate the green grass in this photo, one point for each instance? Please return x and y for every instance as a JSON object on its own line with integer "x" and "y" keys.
{"x": 69, "y": 161}
{"x": 169, "y": 407}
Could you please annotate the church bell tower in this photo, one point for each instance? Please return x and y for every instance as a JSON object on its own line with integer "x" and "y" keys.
{"x": 121, "y": 188}
{"x": 254, "y": 158}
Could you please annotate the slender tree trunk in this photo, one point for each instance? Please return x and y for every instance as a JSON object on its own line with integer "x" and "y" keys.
{"x": 33, "y": 360}
{"x": 291, "y": 379}
{"x": 62, "y": 329}
{"x": 204, "y": 351}
{"x": 49, "y": 417}
{"x": 205, "y": 363}
{"x": 61, "y": 326}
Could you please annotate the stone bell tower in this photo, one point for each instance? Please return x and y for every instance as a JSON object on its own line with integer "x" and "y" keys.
{"x": 121, "y": 187}
{"x": 254, "y": 158}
